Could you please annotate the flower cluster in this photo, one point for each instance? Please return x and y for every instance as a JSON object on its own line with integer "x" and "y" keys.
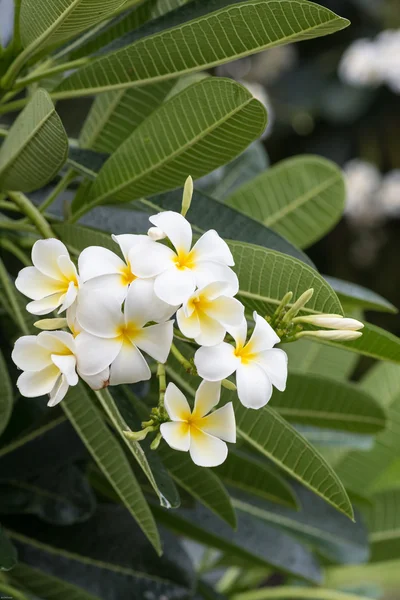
{"x": 121, "y": 307}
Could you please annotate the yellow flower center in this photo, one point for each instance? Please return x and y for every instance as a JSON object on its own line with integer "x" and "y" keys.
{"x": 127, "y": 332}
{"x": 127, "y": 276}
{"x": 198, "y": 303}
{"x": 184, "y": 260}
{"x": 245, "y": 353}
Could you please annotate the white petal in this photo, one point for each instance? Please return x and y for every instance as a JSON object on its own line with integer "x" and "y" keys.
{"x": 57, "y": 342}
{"x": 59, "y": 391}
{"x": 177, "y": 435}
{"x": 253, "y": 385}
{"x": 67, "y": 268}
{"x": 129, "y": 366}
{"x": 239, "y": 333}
{"x": 156, "y": 340}
{"x": 175, "y": 285}
{"x": 206, "y": 450}
{"x": 275, "y": 364}
{"x": 69, "y": 298}
{"x": 67, "y": 366}
{"x": 176, "y": 227}
{"x": 38, "y": 383}
{"x": 214, "y": 290}
{"x": 45, "y": 255}
{"x": 98, "y": 381}
{"x": 150, "y": 259}
{"x": 95, "y": 261}
{"x": 227, "y": 311}
{"x": 95, "y": 354}
{"x": 189, "y": 326}
{"x": 138, "y": 308}
{"x": 99, "y": 314}
{"x": 35, "y": 285}
{"x": 176, "y": 404}
{"x": 72, "y": 321}
{"x": 207, "y": 396}
{"x": 221, "y": 423}
{"x": 212, "y": 247}
{"x": 48, "y": 304}
{"x": 216, "y": 362}
{"x": 263, "y": 337}
{"x": 127, "y": 241}
{"x": 29, "y": 356}
{"x": 211, "y": 332}
{"x": 114, "y": 285}
{"x": 207, "y": 272}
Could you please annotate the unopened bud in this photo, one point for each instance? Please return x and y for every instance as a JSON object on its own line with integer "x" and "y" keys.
{"x": 228, "y": 385}
{"x": 138, "y": 436}
{"x": 156, "y": 442}
{"x": 156, "y": 234}
{"x": 298, "y": 305}
{"x": 51, "y": 324}
{"x": 331, "y": 322}
{"x": 187, "y": 196}
{"x": 337, "y": 335}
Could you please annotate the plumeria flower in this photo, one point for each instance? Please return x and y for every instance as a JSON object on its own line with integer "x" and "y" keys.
{"x": 208, "y": 312}
{"x": 258, "y": 365}
{"x": 111, "y": 337}
{"x": 101, "y": 269}
{"x": 202, "y": 434}
{"x": 178, "y": 272}
{"x": 53, "y": 280}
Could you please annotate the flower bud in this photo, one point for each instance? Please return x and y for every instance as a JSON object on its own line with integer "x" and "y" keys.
{"x": 337, "y": 335}
{"x": 51, "y": 324}
{"x": 331, "y": 322}
{"x": 156, "y": 234}
{"x": 187, "y": 196}
{"x": 298, "y": 305}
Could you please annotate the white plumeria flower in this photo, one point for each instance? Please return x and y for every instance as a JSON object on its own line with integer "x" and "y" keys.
{"x": 208, "y": 312}
{"x": 110, "y": 337}
{"x": 53, "y": 280}
{"x": 258, "y": 365}
{"x": 177, "y": 273}
{"x": 101, "y": 269}
{"x": 202, "y": 434}
{"x": 49, "y": 364}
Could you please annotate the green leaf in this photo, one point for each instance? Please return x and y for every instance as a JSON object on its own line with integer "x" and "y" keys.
{"x": 383, "y": 520}
{"x": 8, "y": 553}
{"x": 6, "y": 395}
{"x": 306, "y": 356}
{"x": 197, "y": 130}
{"x": 301, "y": 198}
{"x": 248, "y": 474}
{"x": 36, "y": 147}
{"x": 322, "y": 402}
{"x": 356, "y": 296}
{"x": 110, "y": 458}
{"x": 200, "y": 483}
{"x": 50, "y": 22}
{"x": 238, "y": 29}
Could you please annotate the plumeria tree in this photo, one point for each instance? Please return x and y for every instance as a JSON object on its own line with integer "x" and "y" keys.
{"x": 175, "y": 370}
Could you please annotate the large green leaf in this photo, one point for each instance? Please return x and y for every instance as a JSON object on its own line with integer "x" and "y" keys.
{"x": 50, "y": 22}
{"x": 197, "y": 130}
{"x": 306, "y": 356}
{"x": 356, "y": 296}
{"x": 314, "y": 400}
{"x": 301, "y": 198}
{"x": 110, "y": 458}
{"x": 6, "y": 395}
{"x": 249, "y": 474}
{"x": 238, "y": 29}
{"x": 383, "y": 520}
{"x": 36, "y": 147}
{"x": 8, "y": 554}
{"x": 200, "y": 483}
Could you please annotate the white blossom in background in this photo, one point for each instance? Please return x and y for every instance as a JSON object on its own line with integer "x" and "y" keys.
{"x": 387, "y": 46}
{"x": 363, "y": 182}
{"x": 258, "y": 365}
{"x": 53, "y": 280}
{"x": 200, "y": 432}
{"x": 389, "y": 194}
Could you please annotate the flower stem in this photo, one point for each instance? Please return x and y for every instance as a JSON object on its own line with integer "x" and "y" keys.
{"x": 8, "y": 245}
{"x": 60, "y": 187}
{"x": 181, "y": 359}
{"x": 16, "y": 225}
{"x": 14, "y": 106}
{"x": 39, "y": 74}
{"x": 5, "y": 205}
{"x": 295, "y": 592}
{"x": 32, "y": 213}
{"x": 10, "y": 294}
{"x": 162, "y": 383}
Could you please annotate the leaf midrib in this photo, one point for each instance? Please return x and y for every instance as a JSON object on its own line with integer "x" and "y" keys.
{"x": 329, "y": 416}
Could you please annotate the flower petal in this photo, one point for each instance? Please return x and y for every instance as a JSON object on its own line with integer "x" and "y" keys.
{"x": 99, "y": 315}
{"x": 207, "y": 396}
{"x": 150, "y": 259}
{"x": 138, "y": 308}
{"x": 95, "y": 261}
{"x": 206, "y": 450}
{"x": 221, "y": 423}
{"x": 45, "y": 255}
{"x": 32, "y": 283}
{"x": 67, "y": 366}
{"x": 38, "y": 383}
{"x": 207, "y": 272}
{"x": 67, "y": 268}
{"x": 113, "y": 284}
{"x": 94, "y": 354}
{"x": 275, "y": 364}
{"x": 253, "y": 385}
{"x": 177, "y": 435}
{"x": 156, "y": 340}
{"x": 216, "y": 362}
{"x": 176, "y": 404}
{"x": 129, "y": 366}
{"x": 212, "y": 247}
{"x": 228, "y": 311}
{"x": 263, "y": 337}
{"x": 239, "y": 333}
{"x": 189, "y": 326}
{"x": 46, "y": 305}
{"x": 69, "y": 297}
{"x": 28, "y": 355}
{"x": 57, "y": 342}
{"x": 211, "y": 332}
{"x": 127, "y": 241}
{"x": 175, "y": 285}
{"x": 98, "y": 381}
{"x": 59, "y": 391}
{"x": 176, "y": 227}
